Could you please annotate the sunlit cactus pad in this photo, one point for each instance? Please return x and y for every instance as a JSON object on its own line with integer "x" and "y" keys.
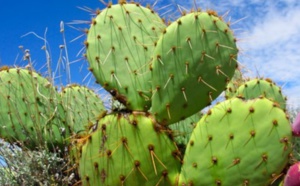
{"x": 238, "y": 143}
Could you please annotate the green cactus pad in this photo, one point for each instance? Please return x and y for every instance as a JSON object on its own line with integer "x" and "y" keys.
{"x": 262, "y": 87}
{"x": 194, "y": 59}
{"x": 119, "y": 47}
{"x": 30, "y": 111}
{"x": 238, "y": 142}
{"x": 82, "y": 107}
{"x": 128, "y": 149}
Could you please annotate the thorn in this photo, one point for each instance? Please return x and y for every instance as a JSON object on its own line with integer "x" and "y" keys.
{"x": 170, "y": 77}
{"x": 189, "y": 41}
{"x": 158, "y": 57}
{"x": 264, "y": 159}
{"x": 224, "y": 46}
{"x": 239, "y": 20}
{"x": 210, "y": 97}
{"x": 173, "y": 49}
{"x": 186, "y": 67}
{"x": 137, "y": 165}
{"x": 184, "y": 94}
{"x": 155, "y": 91}
{"x": 201, "y": 80}
{"x": 218, "y": 70}
{"x": 107, "y": 55}
{"x": 234, "y": 162}
{"x": 252, "y": 133}
{"x": 168, "y": 110}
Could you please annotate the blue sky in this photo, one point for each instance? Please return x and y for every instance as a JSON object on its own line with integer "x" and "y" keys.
{"x": 268, "y": 34}
{"x": 21, "y": 18}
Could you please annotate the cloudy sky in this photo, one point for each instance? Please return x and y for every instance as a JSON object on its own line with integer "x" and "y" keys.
{"x": 268, "y": 34}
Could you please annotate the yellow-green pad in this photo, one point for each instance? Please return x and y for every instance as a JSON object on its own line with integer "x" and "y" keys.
{"x": 128, "y": 149}
{"x": 120, "y": 43}
{"x": 193, "y": 61}
{"x": 238, "y": 143}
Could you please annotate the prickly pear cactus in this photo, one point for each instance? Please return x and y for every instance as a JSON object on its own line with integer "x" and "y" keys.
{"x": 82, "y": 107}
{"x": 193, "y": 60}
{"x": 262, "y": 87}
{"x": 30, "y": 110}
{"x": 128, "y": 149}
{"x": 119, "y": 45}
{"x": 238, "y": 142}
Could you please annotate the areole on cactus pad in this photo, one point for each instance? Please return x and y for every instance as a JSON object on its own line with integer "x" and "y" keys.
{"x": 193, "y": 60}
{"x": 119, "y": 45}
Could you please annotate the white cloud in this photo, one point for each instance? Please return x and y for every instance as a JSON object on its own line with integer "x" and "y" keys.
{"x": 272, "y": 46}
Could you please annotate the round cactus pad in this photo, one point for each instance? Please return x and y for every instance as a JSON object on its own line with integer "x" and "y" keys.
{"x": 238, "y": 143}
{"x": 119, "y": 47}
{"x": 194, "y": 59}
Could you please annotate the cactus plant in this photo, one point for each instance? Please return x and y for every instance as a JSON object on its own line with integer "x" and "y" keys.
{"x": 161, "y": 75}
{"x": 248, "y": 139}
{"x": 128, "y": 149}
{"x": 30, "y": 110}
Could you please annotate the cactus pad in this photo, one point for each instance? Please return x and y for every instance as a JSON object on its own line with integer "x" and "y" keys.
{"x": 194, "y": 59}
{"x": 238, "y": 143}
{"x": 128, "y": 149}
{"x": 119, "y": 47}
{"x": 262, "y": 87}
